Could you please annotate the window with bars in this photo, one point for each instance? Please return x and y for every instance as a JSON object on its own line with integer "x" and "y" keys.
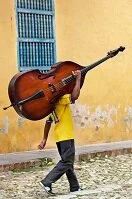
{"x": 36, "y": 38}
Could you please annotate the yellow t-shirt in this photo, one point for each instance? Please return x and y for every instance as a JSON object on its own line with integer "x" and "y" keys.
{"x": 64, "y": 128}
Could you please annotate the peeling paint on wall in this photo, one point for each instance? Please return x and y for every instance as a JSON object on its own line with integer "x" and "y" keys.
{"x": 20, "y": 121}
{"x": 4, "y": 125}
{"x": 128, "y": 118}
{"x": 100, "y": 118}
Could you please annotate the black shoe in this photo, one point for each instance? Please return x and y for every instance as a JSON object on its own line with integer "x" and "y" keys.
{"x": 79, "y": 189}
{"x": 47, "y": 189}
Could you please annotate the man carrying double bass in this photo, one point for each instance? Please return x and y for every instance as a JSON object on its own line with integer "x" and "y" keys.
{"x": 64, "y": 136}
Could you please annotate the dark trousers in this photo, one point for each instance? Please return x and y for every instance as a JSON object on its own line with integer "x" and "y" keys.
{"x": 66, "y": 150}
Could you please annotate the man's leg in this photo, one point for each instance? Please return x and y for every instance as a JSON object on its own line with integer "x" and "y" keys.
{"x": 66, "y": 162}
{"x": 73, "y": 182}
{"x": 71, "y": 176}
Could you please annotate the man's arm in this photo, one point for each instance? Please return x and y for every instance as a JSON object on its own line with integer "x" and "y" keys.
{"x": 76, "y": 91}
{"x": 46, "y": 133}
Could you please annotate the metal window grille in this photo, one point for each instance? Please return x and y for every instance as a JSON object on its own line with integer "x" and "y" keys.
{"x": 36, "y": 38}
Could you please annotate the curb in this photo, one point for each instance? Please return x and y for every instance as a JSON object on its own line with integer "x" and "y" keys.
{"x": 22, "y": 165}
{"x": 30, "y": 159}
{"x": 113, "y": 153}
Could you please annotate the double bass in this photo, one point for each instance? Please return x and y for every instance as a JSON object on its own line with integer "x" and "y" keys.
{"x": 33, "y": 94}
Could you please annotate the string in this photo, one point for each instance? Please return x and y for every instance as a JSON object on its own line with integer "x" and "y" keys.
{"x": 68, "y": 80}
{"x": 60, "y": 84}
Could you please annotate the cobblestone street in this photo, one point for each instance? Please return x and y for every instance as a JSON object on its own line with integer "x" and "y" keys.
{"x": 101, "y": 178}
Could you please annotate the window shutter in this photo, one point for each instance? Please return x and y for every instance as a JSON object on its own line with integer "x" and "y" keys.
{"x": 35, "y": 32}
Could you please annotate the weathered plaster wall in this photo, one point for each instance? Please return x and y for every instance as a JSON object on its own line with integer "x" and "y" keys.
{"x": 85, "y": 31}
{"x": 16, "y": 134}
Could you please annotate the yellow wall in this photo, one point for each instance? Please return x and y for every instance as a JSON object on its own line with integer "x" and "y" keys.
{"x": 16, "y": 134}
{"x": 85, "y": 31}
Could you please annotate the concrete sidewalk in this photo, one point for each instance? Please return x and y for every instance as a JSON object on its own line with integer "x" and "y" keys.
{"x": 25, "y": 159}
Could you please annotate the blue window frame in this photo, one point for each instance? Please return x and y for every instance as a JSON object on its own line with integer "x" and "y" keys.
{"x": 35, "y": 34}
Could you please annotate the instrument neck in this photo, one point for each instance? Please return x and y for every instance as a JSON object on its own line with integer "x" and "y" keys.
{"x": 70, "y": 78}
{"x": 89, "y": 67}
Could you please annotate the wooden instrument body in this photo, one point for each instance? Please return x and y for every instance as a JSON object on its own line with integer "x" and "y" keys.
{"x": 34, "y": 94}
{"x": 26, "y": 84}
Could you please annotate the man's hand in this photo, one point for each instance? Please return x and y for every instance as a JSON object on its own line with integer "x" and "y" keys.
{"x": 42, "y": 144}
{"x": 77, "y": 74}
{"x": 45, "y": 135}
{"x": 76, "y": 91}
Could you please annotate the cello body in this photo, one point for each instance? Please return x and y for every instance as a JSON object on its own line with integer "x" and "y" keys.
{"x": 41, "y": 90}
{"x": 33, "y": 94}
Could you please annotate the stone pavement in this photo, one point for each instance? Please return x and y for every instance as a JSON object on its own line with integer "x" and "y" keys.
{"x": 101, "y": 177}
{"x": 31, "y": 158}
